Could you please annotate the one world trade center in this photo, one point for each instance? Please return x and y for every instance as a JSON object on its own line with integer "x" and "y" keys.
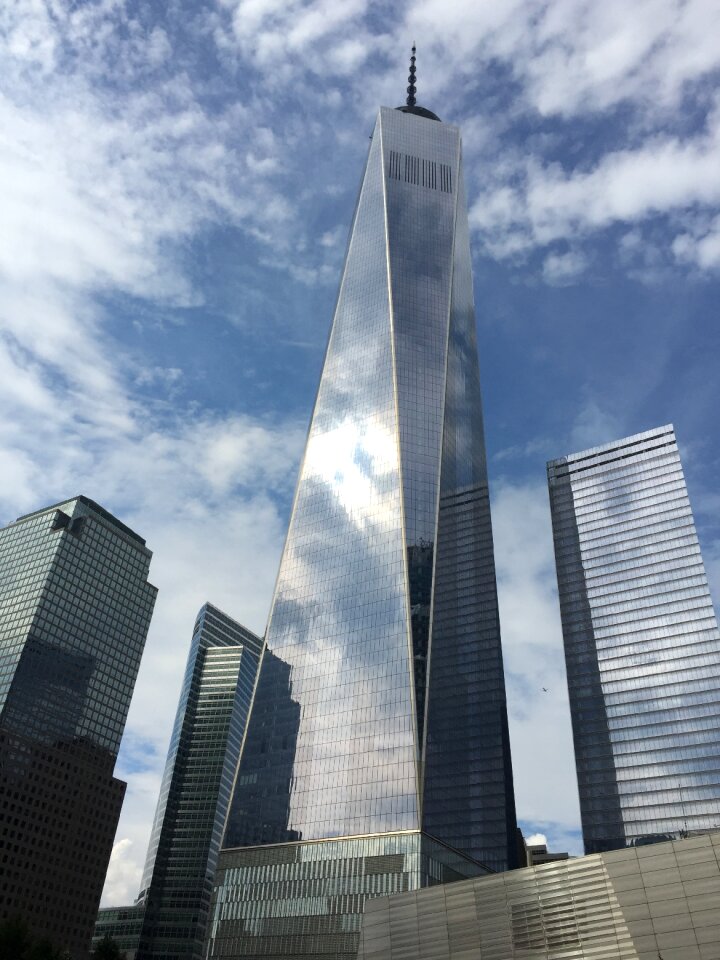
{"x": 377, "y": 758}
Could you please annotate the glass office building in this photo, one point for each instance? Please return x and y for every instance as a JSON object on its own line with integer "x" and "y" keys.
{"x": 642, "y": 646}
{"x": 390, "y": 718}
{"x": 75, "y": 607}
{"x": 169, "y": 919}
{"x": 123, "y": 925}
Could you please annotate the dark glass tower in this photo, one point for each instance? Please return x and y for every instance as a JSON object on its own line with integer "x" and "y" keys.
{"x": 377, "y": 752}
{"x": 642, "y": 645}
{"x": 75, "y": 610}
{"x": 169, "y": 919}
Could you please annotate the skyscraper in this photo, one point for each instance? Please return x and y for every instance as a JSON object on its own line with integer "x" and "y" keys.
{"x": 75, "y": 610}
{"x": 171, "y": 912}
{"x": 393, "y": 770}
{"x": 642, "y": 646}
{"x": 195, "y": 792}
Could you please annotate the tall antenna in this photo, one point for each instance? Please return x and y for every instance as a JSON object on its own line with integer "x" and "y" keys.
{"x": 412, "y": 90}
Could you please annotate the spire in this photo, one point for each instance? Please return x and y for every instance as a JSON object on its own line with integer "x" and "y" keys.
{"x": 410, "y": 105}
{"x": 412, "y": 89}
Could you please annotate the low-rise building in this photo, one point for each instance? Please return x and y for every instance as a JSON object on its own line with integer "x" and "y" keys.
{"x": 655, "y": 902}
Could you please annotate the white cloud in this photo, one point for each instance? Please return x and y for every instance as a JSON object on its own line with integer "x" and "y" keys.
{"x": 538, "y": 445}
{"x": 560, "y": 838}
{"x": 561, "y": 269}
{"x": 536, "y": 839}
{"x": 122, "y": 883}
{"x": 575, "y": 56}
{"x": 470, "y": 30}
{"x": 270, "y": 33}
{"x": 701, "y": 247}
{"x": 90, "y": 199}
{"x": 644, "y": 67}
{"x": 540, "y": 732}
{"x": 664, "y": 175}
{"x": 123, "y": 873}
{"x": 167, "y": 376}
{"x": 646, "y": 255}
{"x": 28, "y": 34}
{"x": 593, "y": 56}
{"x": 592, "y": 427}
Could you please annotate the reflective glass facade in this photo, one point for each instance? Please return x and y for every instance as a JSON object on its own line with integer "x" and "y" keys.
{"x": 75, "y": 607}
{"x": 642, "y": 646}
{"x": 307, "y": 899}
{"x": 199, "y": 772}
{"x": 385, "y": 610}
{"x": 381, "y": 704}
{"x": 123, "y": 925}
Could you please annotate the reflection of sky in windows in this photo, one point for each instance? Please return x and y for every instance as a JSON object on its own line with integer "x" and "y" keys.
{"x": 197, "y": 782}
{"x": 339, "y": 618}
{"x": 642, "y": 643}
{"x": 289, "y": 900}
{"x": 395, "y": 441}
{"x": 77, "y": 606}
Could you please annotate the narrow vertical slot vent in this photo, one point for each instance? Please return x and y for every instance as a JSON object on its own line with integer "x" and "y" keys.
{"x": 422, "y": 173}
{"x": 445, "y": 178}
{"x": 394, "y": 165}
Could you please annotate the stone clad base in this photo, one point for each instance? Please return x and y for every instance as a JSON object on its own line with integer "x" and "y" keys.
{"x": 304, "y": 901}
{"x": 59, "y": 809}
{"x": 639, "y": 903}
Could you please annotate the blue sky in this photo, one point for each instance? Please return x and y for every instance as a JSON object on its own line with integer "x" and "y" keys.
{"x": 176, "y": 186}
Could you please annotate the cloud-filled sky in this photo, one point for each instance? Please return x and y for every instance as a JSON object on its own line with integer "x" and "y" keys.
{"x": 176, "y": 185}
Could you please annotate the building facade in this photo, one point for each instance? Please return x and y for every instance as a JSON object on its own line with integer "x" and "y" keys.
{"x": 641, "y": 640}
{"x": 123, "y": 925}
{"x": 75, "y": 608}
{"x": 380, "y": 720}
{"x": 168, "y": 921}
{"x": 533, "y": 854}
{"x": 306, "y": 899}
{"x": 657, "y": 902}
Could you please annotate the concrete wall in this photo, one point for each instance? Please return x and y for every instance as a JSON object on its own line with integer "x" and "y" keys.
{"x": 657, "y": 902}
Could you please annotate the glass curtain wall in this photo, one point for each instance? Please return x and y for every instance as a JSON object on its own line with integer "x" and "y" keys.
{"x": 380, "y": 707}
{"x": 642, "y": 646}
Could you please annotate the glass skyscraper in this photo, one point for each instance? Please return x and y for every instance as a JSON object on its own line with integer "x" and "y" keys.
{"x": 377, "y": 754}
{"x": 75, "y": 607}
{"x": 642, "y": 646}
{"x": 169, "y": 919}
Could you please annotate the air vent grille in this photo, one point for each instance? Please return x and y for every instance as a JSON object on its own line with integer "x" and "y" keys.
{"x": 423, "y": 173}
